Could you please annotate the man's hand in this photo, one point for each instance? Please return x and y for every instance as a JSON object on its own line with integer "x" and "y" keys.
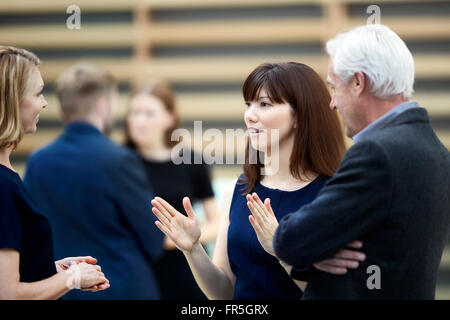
{"x": 343, "y": 260}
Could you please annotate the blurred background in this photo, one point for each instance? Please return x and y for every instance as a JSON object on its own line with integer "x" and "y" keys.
{"x": 206, "y": 48}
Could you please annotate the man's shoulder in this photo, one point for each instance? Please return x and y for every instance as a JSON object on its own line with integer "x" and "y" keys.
{"x": 410, "y": 132}
{"x": 112, "y": 155}
{"x": 367, "y": 148}
{"x": 96, "y": 151}
{"x": 45, "y": 152}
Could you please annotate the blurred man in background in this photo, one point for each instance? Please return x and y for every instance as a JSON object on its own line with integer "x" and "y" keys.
{"x": 94, "y": 192}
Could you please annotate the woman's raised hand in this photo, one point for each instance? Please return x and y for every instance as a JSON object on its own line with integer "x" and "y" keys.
{"x": 263, "y": 221}
{"x": 183, "y": 231}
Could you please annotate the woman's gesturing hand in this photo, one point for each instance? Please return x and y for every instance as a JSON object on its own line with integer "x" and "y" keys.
{"x": 183, "y": 231}
{"x": 263, "y": 221}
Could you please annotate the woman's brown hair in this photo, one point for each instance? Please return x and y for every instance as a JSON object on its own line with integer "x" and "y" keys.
{"x": 318, "y": 137}
{"x": 163, "y": 91}
{"x": 16, "y": 67}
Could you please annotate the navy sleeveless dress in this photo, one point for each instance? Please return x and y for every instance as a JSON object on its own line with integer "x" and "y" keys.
{"x": 258, "y": 274}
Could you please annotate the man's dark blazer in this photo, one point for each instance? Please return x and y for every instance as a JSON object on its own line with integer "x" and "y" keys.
{"x": 392, "y": 192}
{"x": 97, "y": 199}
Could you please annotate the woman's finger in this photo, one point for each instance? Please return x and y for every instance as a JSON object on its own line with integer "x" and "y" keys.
{"x": 268, "y": 206}
{"x": 256, "y": 210}
{"x": 188, "y": 208}
{"x": 171, "y": 210}
{"x": 255, "y": 213}
{"x": 162, "y": 209}
{"x": 162, "y": 218}
{"x": 164, "y": 229}
{"x": 256, "y": 226}
{"x": 101, "y": 280}
{"x": 261, "y": 210}
{"x": 103, "y": 286}
{"x": 89, "y": 259}
{"x": 260, "y": 205}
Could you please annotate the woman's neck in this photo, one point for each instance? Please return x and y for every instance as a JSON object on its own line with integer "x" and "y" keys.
{"x": 158, "y": 151}
{"x": 277, "y": 169}
{"x": 5, "y": 153}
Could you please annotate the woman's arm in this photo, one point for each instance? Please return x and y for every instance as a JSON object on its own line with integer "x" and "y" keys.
{"x": 12, "y": 289}
{"x": 50, "y": 288}
{"x": 211, "y": 226}
{"x": 288, "y": 268}
{"x": 208, "y": 281}
{"x": 214, "y": 277}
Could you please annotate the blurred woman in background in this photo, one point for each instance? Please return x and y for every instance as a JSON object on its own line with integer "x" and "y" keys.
{"x": 150, "y": 121}
{"x": 27, "y": 268}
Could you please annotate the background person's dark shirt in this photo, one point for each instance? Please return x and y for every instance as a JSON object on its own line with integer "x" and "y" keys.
{"x": 172, "y": 183}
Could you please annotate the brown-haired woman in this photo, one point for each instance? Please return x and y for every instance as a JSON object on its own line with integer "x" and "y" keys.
{"x": 27, "y": 269}
{"x": 150, "y": 121}
{"x": 287, "y": 111}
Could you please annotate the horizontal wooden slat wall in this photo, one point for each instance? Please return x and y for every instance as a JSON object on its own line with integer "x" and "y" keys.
{"x": 206, "y": 48}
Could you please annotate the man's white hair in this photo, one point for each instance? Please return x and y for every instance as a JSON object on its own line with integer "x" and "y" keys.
{"x": 380, "y": 54}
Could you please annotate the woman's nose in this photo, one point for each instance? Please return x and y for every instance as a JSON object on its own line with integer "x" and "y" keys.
{"x": 45, "y": 103}
{"x": 251, "y": 114}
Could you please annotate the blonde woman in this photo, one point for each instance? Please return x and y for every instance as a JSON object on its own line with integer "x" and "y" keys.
{"x": 27, "y": 269}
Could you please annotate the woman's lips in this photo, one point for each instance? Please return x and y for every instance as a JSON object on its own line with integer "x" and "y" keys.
{"x": 254, "y": 131}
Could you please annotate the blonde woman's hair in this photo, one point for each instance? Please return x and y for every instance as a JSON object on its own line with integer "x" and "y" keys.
{"x": 16, "y": 67}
